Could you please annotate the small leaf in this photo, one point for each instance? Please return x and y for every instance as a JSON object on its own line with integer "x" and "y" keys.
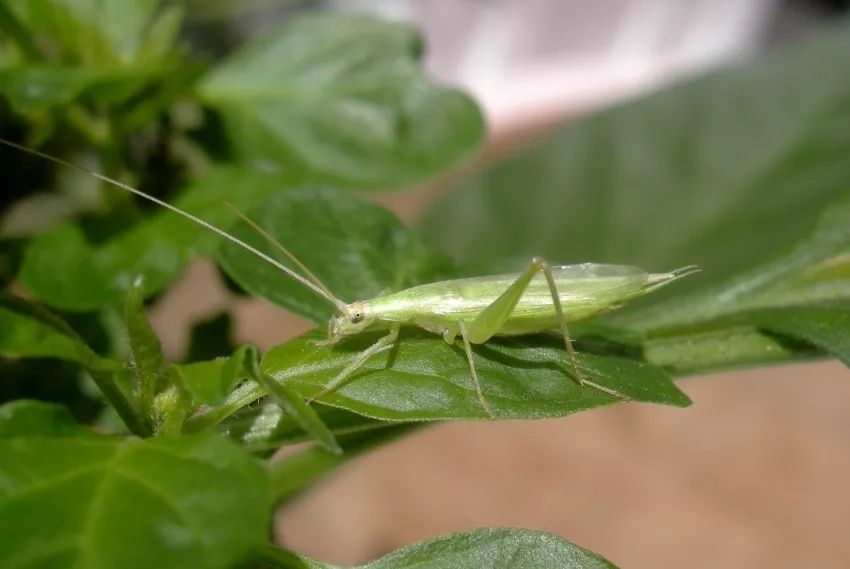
{"x": 105, "y": 502}
{"x": 211, "y": 381}
{"x": 29, "y": 330}
{"x": 344, "y": 97}
{"x": 292, "y": 403}
{"x": 39, "y": 87}
{"x": 146, "y": 359}
{"x": 24, "y": 418}
{"x": 357, "y": 249}
{"x": 265, "y": 428}
{"x": 426, "y": 379}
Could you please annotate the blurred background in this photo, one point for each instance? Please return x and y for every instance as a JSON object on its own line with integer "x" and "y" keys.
{"x": 753, "y": 474}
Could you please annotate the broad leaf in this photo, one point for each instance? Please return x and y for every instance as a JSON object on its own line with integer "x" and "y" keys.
{"x": 719, "y": 171}
{"x": 103, "y": 502}
{"x": 156, "y": 249}
{"x": 357, "y": 249}
{"x": 426, "y": 379}
{"x": 343, "y": 96}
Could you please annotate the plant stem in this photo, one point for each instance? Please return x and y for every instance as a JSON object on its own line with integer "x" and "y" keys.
{"x": 106, "y": 383}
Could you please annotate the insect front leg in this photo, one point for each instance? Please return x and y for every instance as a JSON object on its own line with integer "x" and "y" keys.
{"x": 357, "y": 363}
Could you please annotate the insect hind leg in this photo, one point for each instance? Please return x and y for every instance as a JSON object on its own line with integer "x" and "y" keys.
{"x": 540, "y": 264}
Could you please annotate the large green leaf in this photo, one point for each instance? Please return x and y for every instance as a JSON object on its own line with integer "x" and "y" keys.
{"x": 722, "y": 171}
{"x": 486, "y": 547}
{"x": 156, "y": 249}
{"x": 425, "y": 379}
{"x": 345, "y": 97}
{"x": 719, "y": 171}
{"x": 101, "y": 502}
{"x": 357, "y": 249}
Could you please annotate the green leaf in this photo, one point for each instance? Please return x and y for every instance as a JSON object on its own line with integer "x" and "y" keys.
{"x": 816, "y": 270}
{"x": 157, "y": 249}
{"x": 486, "y": 547}
{"x": 719, "y": 171}
{"x": 97, "y": 33}
{"x": 825, "y": 326}
{"x": 357, "y": 249}
{"x": 24, "y": 418}
{"x": 425, "y": 379}
{"x": 292, "y": 403}
{"x": 103, "y": 502}
{"x": 210, "y": 381}
{"x": 265, "y": 428}
{"x": 146, "y": 358}
{"x": 344, "y": 97}
{"x": 39, "y": 87}
{"x": 29, "y": 330}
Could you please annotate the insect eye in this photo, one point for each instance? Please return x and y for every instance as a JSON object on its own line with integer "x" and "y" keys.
{"x": 356, "y": 317}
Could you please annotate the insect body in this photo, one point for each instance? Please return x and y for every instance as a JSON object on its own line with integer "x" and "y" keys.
{"x": 541, "y": 298}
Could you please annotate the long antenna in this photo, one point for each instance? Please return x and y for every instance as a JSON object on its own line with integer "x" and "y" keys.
{"x": 321, "y": 291}
{"x": 289, "y": 255}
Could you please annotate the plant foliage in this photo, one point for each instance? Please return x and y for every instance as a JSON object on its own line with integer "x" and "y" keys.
{"x": 286, "y": 127}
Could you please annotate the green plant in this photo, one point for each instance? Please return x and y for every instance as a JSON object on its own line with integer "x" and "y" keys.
{"x": 287, "y": 127}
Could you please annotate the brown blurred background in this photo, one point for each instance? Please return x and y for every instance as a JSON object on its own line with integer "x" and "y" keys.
{"x": 754, "y": 474}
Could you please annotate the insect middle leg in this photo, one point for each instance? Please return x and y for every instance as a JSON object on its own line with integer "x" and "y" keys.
{"x": 464, "y": 332}
{"x": 492, "y": 318}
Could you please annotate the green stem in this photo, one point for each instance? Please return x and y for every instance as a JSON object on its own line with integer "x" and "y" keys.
{"x": 106, "y": 383}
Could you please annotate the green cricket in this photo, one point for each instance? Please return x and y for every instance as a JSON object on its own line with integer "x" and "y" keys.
{"x": 542, "y": 298}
